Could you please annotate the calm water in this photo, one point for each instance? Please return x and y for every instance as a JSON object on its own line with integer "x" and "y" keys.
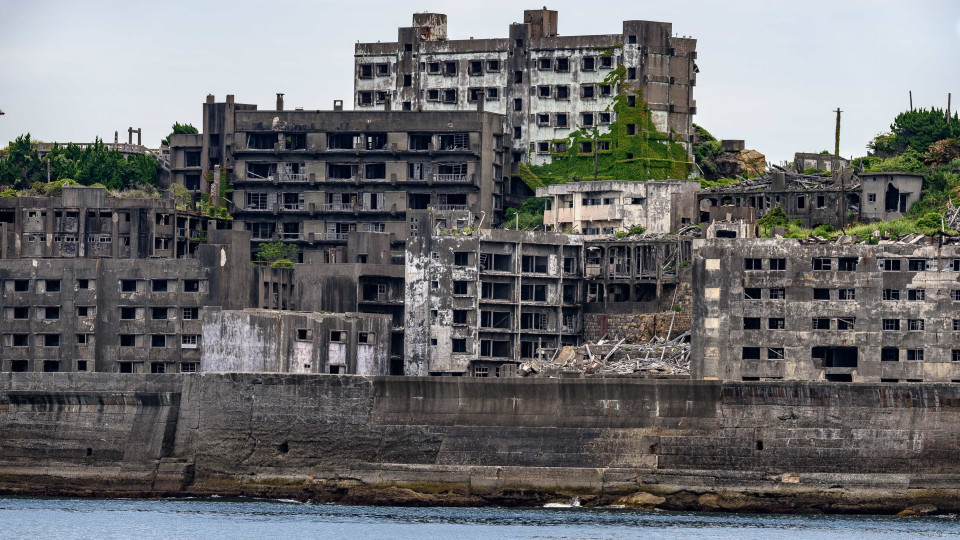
{"x": 210, "y": 519}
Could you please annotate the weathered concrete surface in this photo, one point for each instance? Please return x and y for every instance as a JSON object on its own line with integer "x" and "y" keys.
{"x": 789, "y": 446}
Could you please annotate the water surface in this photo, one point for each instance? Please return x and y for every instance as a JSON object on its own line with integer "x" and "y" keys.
{"x": 218, "y": 518}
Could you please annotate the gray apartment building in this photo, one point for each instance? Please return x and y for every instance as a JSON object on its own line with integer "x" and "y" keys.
{"x": 86, "y": 222}
{"x": 127, "y": 315}
{"x": 766, "y": 309}
{"x": 311, "y": 178}
{"x": 545, "y": 85}
{"x": 481, "y": 303}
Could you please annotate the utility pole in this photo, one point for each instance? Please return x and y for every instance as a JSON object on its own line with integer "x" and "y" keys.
{"x": 911, "y": 100}
{"x": 836, "y": 148}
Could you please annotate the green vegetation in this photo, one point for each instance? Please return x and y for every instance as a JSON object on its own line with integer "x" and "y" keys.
{"x": 707, "y": 184}
{"x": 205, "y": 204}
{"x": 528, "y": 217}
{"x": 21, "y": 166}
{"x": 635, "y": 149}
{"x": 179, "y": 128}
{"x": 916, "y": 130}
{"x": 705, "y": 151}
{"x": 276, "y": 254}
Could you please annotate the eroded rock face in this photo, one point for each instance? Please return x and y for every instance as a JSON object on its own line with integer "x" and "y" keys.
{"x": 734, "y": 164}
{"x": 641, "y": 499}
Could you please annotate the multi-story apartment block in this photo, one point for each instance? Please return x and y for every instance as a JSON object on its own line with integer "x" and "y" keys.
{"x": 311, "y": 178}
{"x": 608, "y": 207}
{"x": 86, "y": 222}
{"x": 634, "y": 274}
{"x": 785, "y": 309}
{"x": 481, "y": 303}
{"x": 186, "y": 166}
{"x": 816, "y": 201}
{"x": 545, "y": 85}
{"x": 122, "y": 315}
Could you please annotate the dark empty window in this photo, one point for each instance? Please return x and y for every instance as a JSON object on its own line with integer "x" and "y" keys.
{"x": 159, "y": 285}
{"x": 128, "y": 285}
{"x": 751, "y": 293}
{"x": 459, "y": 287}
{"x": 776, "y": 323}
{"x": 820, "y": 323}
{"x": 52, "y": 285}
{"x": 753, "y": 264}
{"x": 158, "y": 341}
{"x": 917, "y": 265}
{"x": 459, "y": 345}
{"x": 778, "y": 264}
{"x": 21, "y": 285}
{"x": 891, "y": 294}
{"x": 158, "y": 313}
{"x": 21, "y": 312}
{"x": 459, "y": 316}
{"x": 751, "y": 323}
{"x": 751, "y": 353}
{"x": 847, "y": 264}
{"x": 51, "y": 340}
{"x": 889, "y": 354}
{"x": 822, "y": 263}
{"x": 821, "y": 294}
{"x": 191, "y": 285}
{"x": 128, "y": 313}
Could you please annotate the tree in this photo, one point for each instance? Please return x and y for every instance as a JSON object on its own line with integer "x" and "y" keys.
{"x": 275, "y": 251}
{"x": 916, "y": 129}
{"x": 178, "y": 128}
{"x": 21, "y": 167}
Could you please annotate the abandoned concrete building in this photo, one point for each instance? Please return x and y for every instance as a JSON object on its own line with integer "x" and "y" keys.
{"x": 311, "y": 178}
{"x": 608, "y": 207}
{"x": 784, "y": 309}
{"x": 545, "y": 85}
{"x": 122, "y": 315}
{"x": 805, "y": 161}
{"x": 86, "y": 222}
{"x": 257, "y": 340}
{"x": 479, "y": 304}
{"x": 635, "y": 274}
{"x": 816, "y": 200}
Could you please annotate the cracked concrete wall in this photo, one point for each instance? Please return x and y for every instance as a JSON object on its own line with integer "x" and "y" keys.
{"x": 295, "y": 342}
{"x": 899, "y": 306}
{"x": 659, "y": 207}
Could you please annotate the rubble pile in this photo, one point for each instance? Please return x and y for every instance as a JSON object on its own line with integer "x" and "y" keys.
{"x": 606, "y": 358}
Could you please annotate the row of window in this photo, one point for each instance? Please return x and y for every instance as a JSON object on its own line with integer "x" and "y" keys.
{"x": 842, "y": 323}
{"x": 887, "y": 354}
{"x": 53, "y": 366}
{"x": 778, "y": 293}
{"x": 849, "y": 264}
{"x": 157, "y": 341}
{"x": 126, "y": 285}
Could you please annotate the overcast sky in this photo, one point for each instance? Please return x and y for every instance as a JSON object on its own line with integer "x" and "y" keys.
{"x": 771, "y": 71}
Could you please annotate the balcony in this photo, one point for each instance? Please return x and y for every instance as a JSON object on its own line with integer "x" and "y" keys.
{"x": 294, "y": 177}
{"x": 455, "y": 178}
{"x": 337, "y": 207}
{"x": 336, "y": 236}
{"x": 257, "y": 208}
{"x": 293, "y": 207}
{"x": 291, "y": 236}
{"x": 451, "y": 207}
{"x": 339, "y": 179}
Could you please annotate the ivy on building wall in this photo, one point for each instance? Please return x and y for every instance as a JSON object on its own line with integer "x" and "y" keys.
{"x": 636, "y": 150}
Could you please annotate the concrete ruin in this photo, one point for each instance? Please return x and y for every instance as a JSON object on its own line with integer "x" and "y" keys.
{"x": 768, "y": 309}
{"x": 86, "y": 222}
{"x": 544, "y": 85}
{"x": 835, "y": 200}
{"x": 481, "y": 303}
{"x": 608, "y": 207}
{"x": 118, "y": 314}
{"x": 256, "y": 340}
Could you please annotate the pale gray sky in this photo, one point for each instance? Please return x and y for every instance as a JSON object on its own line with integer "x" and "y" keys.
{"x": 771, "y": 71}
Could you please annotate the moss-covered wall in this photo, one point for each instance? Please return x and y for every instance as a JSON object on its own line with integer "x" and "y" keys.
{"x": 640, "y": 152}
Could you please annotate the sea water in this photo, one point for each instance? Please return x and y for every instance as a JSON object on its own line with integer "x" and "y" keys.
{"x": 218, "y": 518}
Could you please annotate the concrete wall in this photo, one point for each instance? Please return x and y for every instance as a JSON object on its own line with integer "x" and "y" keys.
{"x": 892, "y": 306}
{"x": 701, "y": 445}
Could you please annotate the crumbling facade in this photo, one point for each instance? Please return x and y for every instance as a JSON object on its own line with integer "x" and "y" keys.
{"x": 784, "y": 309}
{"x": 84, "y": 222}
{"x": 545, "y": 85}
{"x": 256, "y": 340}
{"x": 816, "y": 200}
{"x": 312, "y": 178}
{"x": 608, "y": 207}
{"x": 118, "y": 314}
{"x": 480, "y": 303}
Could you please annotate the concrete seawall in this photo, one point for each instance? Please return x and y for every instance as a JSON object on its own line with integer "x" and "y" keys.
{"x": 674, "y": 444}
